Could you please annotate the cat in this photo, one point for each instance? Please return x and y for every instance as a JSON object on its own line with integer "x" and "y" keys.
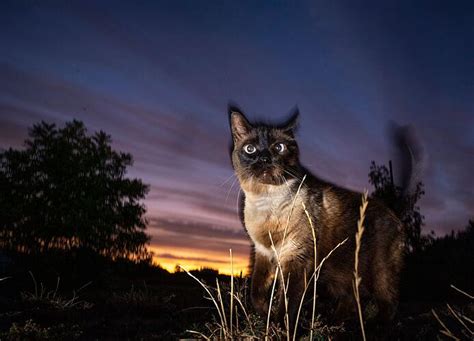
{"x": 265, "y": 158}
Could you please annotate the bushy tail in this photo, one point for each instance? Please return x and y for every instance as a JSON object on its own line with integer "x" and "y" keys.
{"x": 409, "y": 157}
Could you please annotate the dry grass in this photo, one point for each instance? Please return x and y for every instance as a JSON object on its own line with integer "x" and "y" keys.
{"x": 284, "y": 286}
{"x": 228, "y": 325}
{"x": 313, "y": 232}
{"x": 270, "y": 304}
{"x": 139, "y": 297}
{"x": 213, "y": 299}
{"x": 357, "y": 278}
{"x": 52, "y": 298}
{"x": 30, "y": 330}
{"x": 462, "y": 321}
{"x": 231, "y": 328}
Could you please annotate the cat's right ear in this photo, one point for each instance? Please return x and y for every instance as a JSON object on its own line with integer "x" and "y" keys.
{"x": 239, "y": 125}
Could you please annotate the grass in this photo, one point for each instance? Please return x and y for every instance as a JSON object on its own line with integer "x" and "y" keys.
{"x": 139, "y": 298}
{"x": 31, "y": 330}
{"x": 52, "y": 298}
{"x": 313, "y": 232}
{"x": 146, "y": 312}
{"x": 231, "y": 329}
{"x": 460, "y": 320}
{"x": 357, "y": 278}
{"x": 125, "y": 308}
{"x": 284, "y": 286}
{"x": 228, "y": 328}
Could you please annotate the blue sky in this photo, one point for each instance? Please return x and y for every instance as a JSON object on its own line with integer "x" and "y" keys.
{"x": 158, "y": 76}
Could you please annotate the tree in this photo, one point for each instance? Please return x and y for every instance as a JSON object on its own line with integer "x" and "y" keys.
{"x": 67, "y": 190}
{"x": 402, "y": 203}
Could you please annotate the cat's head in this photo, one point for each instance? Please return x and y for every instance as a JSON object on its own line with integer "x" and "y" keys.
{"x": 263, "y": 154}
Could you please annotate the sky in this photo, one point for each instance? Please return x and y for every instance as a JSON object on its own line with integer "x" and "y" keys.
{"x": 158, "y": 76}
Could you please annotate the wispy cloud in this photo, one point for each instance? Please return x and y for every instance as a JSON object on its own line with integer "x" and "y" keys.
{"x": 194, "y": 259}
{"x": 159, "y": 84}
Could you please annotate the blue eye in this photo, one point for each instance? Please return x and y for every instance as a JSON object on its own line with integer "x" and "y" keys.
{"x": 250, "y": 149}
{"x": 280, "y": 147}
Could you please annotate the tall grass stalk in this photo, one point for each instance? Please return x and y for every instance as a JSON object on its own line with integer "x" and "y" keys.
{"x": 315, "y": 260}
{"x": 357, "y": 278}
{"x": 231, "y": 291}
{"x": 198, "y": 333}
{"x": 219, "y": 297}
{"x": 445, "y": 331}
{"x": 246, "y": 315}
{"x": 462, "y": 292}
{"x": 315, "y": 277}
{"x": 221, "y": 314}
{"x": 462, "y": 319}
{"x": 292, "y": 208}
{"x": 270, "y": 304}
{"x": 458, "y": 317}
{"x": 284, "y": 286}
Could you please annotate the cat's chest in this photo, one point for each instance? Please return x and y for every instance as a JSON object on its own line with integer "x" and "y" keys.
{"x": 266, "y": 213}
{"x": 279, "y": 214}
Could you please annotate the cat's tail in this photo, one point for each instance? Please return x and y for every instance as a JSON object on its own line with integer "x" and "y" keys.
{"x": 409, "y": 157}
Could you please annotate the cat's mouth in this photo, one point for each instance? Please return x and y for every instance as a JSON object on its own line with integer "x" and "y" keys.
{"x": 269, "y": 176}
{"x": 266, "y": 176}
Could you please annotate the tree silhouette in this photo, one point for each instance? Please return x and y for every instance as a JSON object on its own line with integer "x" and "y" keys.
{"x": 402, "y": 203}
{"x": 67, "y": 190}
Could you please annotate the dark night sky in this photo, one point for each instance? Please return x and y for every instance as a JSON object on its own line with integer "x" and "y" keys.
{"x": 158, "y": 75}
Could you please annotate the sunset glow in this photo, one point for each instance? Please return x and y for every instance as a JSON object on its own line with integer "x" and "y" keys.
{"x": 190, "y": 260}
{"x": 159, "y": 84}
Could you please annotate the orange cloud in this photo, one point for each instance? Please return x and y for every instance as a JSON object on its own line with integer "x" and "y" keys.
{"x": 190, "y": 259}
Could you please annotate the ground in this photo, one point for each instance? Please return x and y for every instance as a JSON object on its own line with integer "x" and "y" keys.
{"x": 146, "y": 303}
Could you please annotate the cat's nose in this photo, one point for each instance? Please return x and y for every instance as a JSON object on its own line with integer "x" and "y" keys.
{"x": 265, "y": 158}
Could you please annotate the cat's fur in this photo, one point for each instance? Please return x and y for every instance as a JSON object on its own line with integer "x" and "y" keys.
{"x": 270, "y": 180}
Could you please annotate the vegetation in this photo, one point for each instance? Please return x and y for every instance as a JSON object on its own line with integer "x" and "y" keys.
{"x": 403, "y": 203}
{"x": 30, "y": 330}
{"x": 67, "y": 190}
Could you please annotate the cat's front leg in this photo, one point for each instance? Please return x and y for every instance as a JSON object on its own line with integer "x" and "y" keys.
{"x": 294, "y": 279}
{"x": 261, "y": 281}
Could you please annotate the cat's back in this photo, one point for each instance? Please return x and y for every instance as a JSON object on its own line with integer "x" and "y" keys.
{"x": 381, "y": 253}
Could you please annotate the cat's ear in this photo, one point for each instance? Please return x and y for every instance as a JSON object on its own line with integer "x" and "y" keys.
{"x": 239, "y": 124}
{"x": 291, "y": 124}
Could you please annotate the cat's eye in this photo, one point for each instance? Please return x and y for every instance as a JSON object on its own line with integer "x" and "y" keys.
{"x": 280, "y": 147}
{"x": 250, "y": 149}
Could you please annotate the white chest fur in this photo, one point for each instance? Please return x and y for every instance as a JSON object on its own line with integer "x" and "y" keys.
{"x": 267, "y": 212}
{"x": 269, "y": 204}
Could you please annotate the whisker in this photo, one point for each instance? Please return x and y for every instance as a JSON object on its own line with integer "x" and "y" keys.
{"x": 291, "y": 174}
{"x": 227, "y": 180}
{"x": 237, "y": 200}
{"x": 230, "y": 189}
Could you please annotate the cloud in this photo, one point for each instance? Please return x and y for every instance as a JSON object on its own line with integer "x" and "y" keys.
{"x": 193, "y": 229}
{"x": 159, "y": 85}
{"x": 176, "y": 234}
{"x": 194, "y": 259}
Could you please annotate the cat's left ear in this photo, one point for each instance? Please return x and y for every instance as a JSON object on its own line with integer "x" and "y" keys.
{"x": 239, "y": 125}
{"x": 291, "y": 124}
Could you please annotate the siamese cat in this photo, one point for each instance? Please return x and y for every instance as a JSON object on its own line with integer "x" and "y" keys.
{"x": 265, "y": 158}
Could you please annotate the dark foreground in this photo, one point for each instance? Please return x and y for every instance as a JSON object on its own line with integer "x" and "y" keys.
{"x": 85, "y": 297}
